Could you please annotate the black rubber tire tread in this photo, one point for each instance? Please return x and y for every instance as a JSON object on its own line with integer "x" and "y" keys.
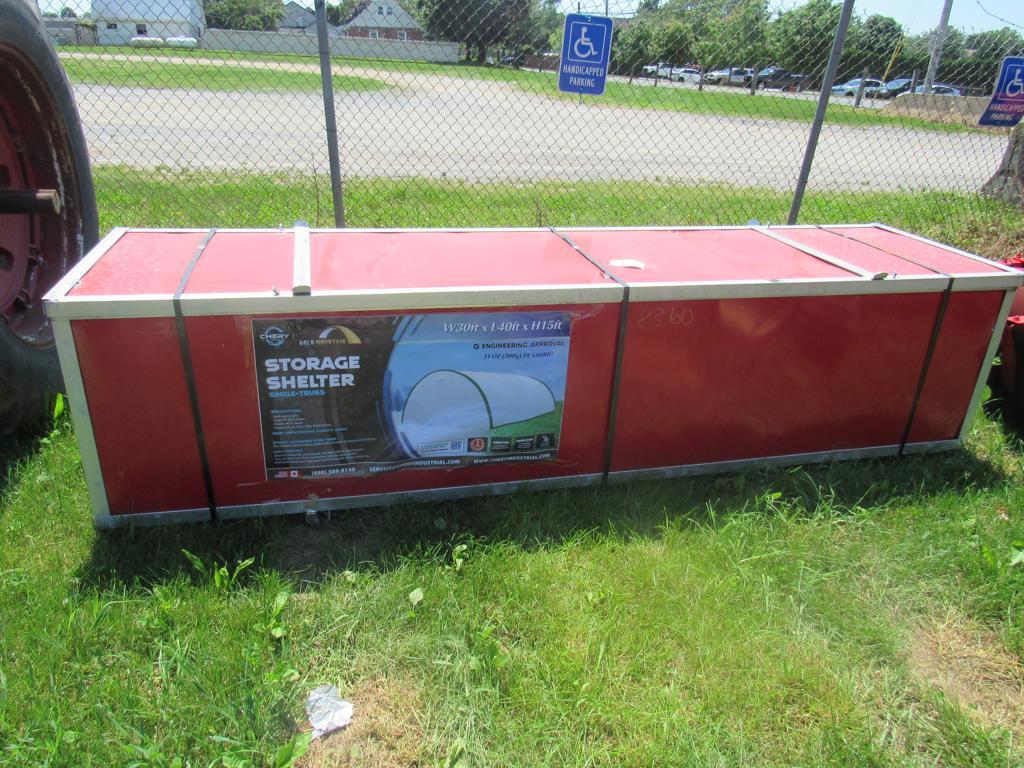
{"x": 30, "y": 377}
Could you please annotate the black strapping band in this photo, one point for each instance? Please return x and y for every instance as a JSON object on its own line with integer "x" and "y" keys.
{"x": 932, "y": 343}
{"x": 620, "y": 346}
{"x": 190, "y": 376}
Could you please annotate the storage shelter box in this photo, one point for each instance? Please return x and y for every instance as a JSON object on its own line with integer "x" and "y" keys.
{"x": 235, "y": 373}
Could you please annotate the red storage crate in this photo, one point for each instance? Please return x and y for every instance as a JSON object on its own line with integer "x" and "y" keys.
{"x": 235, "y": 373}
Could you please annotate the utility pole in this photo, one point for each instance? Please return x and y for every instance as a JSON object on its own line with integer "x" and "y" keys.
{"x": 940, "y": 40}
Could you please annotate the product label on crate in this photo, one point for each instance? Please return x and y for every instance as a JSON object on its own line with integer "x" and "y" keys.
{"x": 369, "y": 394}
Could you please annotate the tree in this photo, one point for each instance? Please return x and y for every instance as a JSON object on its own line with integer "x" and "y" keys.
{"x": 672, "y": 43}
{"x": 341, "y": 13}
{"x": 722, "y": 32}
{"x": 985, "y": 52}
{"x": 1007, "y": 183}
{"x": 539, "y": 31}
{"x": 475, "y": 23}
{"x": 68, "y": 13}
{"x": 872, "y": 45}
{"x": 632, "y": 48}
{"x": 800, "y": 40}
{"x": 258, "y": 15}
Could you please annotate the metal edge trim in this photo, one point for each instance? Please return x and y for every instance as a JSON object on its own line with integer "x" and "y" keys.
{"x": 112, "y": 306}
{"x": 78, "y": 404}
{"x": 147, "y": 519}
{"x": 267, "y": 303}
{"x": 392, "y": 230}
{"x": 932, "y": 446}
{"x": 986, "y": 281}
{"x": 79, "y": 270}
{"x": 793, "y": 288}
{"x": 945, "y": 247}
{"x": 405, "y": 299}
{"x": 986, "y": 365}
{"x": 816, "y": 457}
{"x": 399, "y": 497}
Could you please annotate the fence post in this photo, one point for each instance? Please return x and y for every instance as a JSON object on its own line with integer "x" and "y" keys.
{"x": 700, "y": 80}
{"x": 819, "y": 113}
{"x": 860, "y": 88}
{"x": 330, "y": 121}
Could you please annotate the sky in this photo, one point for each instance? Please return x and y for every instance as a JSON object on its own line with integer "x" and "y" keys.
{"x": 915, "y": 15}
{"x": 923, "y": 15}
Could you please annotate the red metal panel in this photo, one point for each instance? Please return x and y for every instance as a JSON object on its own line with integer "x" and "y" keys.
{"x": 717, "y": 380}
{"x": 404, "y": 260}
{"x": 853, "y": 251}
{"x": 933, "y": 256}
{"x": 135, "y": 386}
{"x": 234, "y": 262}
{"x": 141, "y": 264}
{"x": 709, "y": 255}
{"x": 222, "y": 351}
{"x": 967, "y": 329}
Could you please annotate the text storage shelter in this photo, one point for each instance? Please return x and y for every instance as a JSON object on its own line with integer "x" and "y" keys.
{"x": 235, "y": 373}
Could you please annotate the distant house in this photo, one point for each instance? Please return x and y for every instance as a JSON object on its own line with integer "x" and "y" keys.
{"x": 297, "y": 17}
{"x": 118, "y": 21}
{"x": 381, "y": 20}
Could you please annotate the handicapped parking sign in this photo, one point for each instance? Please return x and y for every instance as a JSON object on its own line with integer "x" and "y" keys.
{"x": 586, "y": 49}
{"x": 1007, "y": 105}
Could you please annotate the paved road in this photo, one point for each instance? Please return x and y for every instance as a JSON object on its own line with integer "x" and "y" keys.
{"x": 487, "y": 131}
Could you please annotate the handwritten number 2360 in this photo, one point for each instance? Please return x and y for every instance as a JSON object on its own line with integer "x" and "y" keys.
{"x": 656, "y": 318}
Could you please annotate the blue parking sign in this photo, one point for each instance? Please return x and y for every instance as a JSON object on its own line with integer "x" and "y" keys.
{"x": 1007, "y": 105}
{"x": 586, "y": 49}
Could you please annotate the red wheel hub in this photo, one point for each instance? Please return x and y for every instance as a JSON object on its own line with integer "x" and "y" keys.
{"x": 34, "y": 247}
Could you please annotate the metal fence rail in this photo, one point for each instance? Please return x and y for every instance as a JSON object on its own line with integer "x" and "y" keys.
{"x": 449, "y": 110}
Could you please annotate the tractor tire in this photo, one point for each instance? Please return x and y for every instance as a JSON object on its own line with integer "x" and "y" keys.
{"x": 42, "y": 147}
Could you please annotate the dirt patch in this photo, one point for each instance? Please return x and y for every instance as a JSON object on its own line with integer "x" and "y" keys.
{"x": 385, "y": 730}
{"x": 970, "y": 665}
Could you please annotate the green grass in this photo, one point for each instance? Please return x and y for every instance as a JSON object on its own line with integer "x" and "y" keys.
{"x": 756, "y": 619}
{"x": 165, "y": 197}
{"x": 208, "y": 77}
{"x": 638, "y": 95}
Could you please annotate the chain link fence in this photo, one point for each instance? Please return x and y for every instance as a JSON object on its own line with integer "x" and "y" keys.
{"x": 449, "y": 113}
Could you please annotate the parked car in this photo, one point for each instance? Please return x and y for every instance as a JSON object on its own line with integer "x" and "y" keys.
{"x": 941, "y": 89}
{"x": 686, "y": 75}
{"x": 850, "y": 88}
{"x": 778, "y": 78}
{"x": 515, "y": 61}
{"x": 891, "y": 89}
{"x": 661, "y": 69}
{"x": 729, "y": 76}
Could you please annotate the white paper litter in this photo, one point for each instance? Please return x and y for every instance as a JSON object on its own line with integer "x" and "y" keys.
{"x": 327, "y": 711}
